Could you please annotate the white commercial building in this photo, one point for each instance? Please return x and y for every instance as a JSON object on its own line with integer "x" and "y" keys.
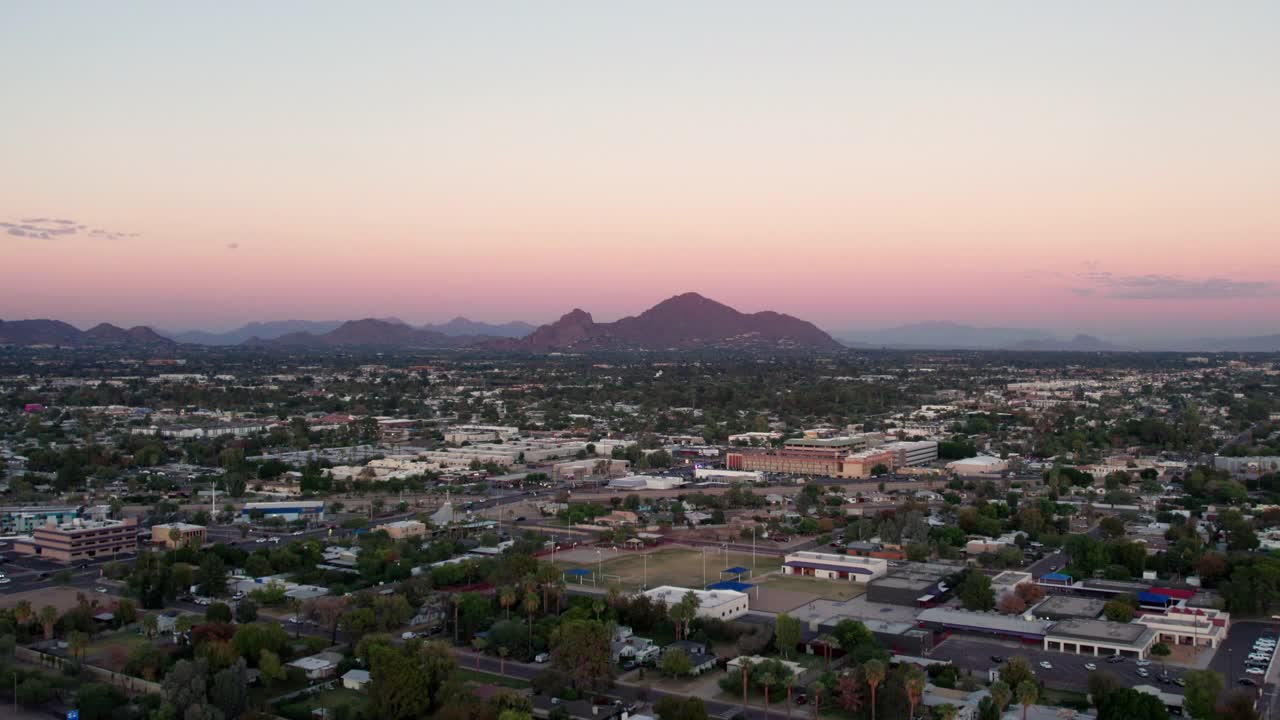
{"x": 907, "y": 454}
{"x": 1188, "y": 626}
{"x": 718, "y": 474}
{"x": 980, "y": 465}
{"x": 717, "y": 604}
{"x": 646, "y": 482}
{"x": 1100, "y": 637}
{"x": 830, "y": 566}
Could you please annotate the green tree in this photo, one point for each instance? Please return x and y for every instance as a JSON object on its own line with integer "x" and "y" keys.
{"x": 229, "y": 691}
{"x": 1129, "y": 704}
{"x": 400, "y": 687}
{"x": 675, "y": 663}
{"x": 1015, "y": 671}
{"x": 1118, "y": 611}
{"x": 270, "y": 667}
{"x": 786, "y": 634}
{"x": 975, "y": 592}
{"x": 674, "y": 707}
{"x": 218, "y": 612}
{"x": 1201, "y": 693}
{"x": 580, "y": 649}
{"x": 97, "y": 701}
{"x": 212, "y": 576}
{"x": 246, "y": 611}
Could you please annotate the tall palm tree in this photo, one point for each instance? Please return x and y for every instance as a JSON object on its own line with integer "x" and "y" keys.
{"x": 1000, "y": 694}
{"x": 791, "y": 681}
{"x": 150, "y": 624}
{"x": 479, "y": 644}
{"x": 873, "y": 672}
{"x": 767, "y": 679}
{"x": 503, "y": 651}
{"x": 507, "y": 598}
{"x": 456, "y": 598}
{"x": 947, "y": 712}
{"x": 1028, "y": 693}
{"x": 48, "y": 619}
{"x": 914, "y": 684}
{"x": 817, "y": 689}
{"x": 530, "y": 607}
{"x": 23, "y": 613}
{"x": 77, "y": 642}
{"x": 597, "y": 607}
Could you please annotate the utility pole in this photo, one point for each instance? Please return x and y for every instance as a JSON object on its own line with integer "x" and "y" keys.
{"x": 753, "y": 548}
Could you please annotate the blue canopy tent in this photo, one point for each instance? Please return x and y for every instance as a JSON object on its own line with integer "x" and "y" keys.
{"x": 578, "y": 573}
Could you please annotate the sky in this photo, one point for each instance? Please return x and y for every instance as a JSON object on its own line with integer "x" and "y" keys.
{"x": 1100, "y": 167}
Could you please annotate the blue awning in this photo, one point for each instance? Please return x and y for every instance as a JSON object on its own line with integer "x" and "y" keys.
{"x": 578, "y": 572}
{"x": 1150, "y": 598}
{"x": 735, "y": 570}
{"x": 1056, "y": 577}
{"x": 730, "y": 585}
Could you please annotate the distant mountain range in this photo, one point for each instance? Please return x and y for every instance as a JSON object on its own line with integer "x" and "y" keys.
{"x": 688, "y": 321}
{"x": 29, "y": 333}
{"x": 683, "y": 322}
{"x": 943, "y": 335}
{"x": 955, "y": 336}
{"x": 369, "y": 333}
{"x": 458, "y": 326}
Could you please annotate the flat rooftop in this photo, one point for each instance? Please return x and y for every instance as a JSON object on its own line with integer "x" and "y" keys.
{"x": 1068, "y": 606}
{"x": 916, "y": 576}
{"x": 1100, "y": 630}
{"x": 707, "y": 598}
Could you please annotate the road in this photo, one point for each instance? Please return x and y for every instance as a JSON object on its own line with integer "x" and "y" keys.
{"x": 622, "y": 689}
{"x": 1068, "y": 672}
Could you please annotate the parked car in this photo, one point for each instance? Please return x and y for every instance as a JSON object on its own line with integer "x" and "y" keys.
{"x": 1144, "y": 662}
{"x": 1046, "y": 664}
{"x": 1256, "y": 671}
{"x": 1248, "y": 682}
{"x": 1115, "y": 659}
{"x": 997, "y": 659}
{"x": 408, "y": 635}
{"x": 542, "y": 657}
{"x": 1142, "y": 672}
{"x": 1090, "y": 666}
{"x": 801, "y": 699}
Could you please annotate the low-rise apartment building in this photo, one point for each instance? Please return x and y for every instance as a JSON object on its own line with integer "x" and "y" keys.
{"x": 81, "y": 540}
{"x": 186, "y": 533}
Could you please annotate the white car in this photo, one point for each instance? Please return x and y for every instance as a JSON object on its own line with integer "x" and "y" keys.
{"x": 4, "y": 580}
{"x": 275, "y": 540}
{"x": 260, "y": 540}
{"x": 1143, "y": 663}
{"x": 1046, "y": 664}
{"x": 1256, "y": 671}
{"x": 1090, "y": 666}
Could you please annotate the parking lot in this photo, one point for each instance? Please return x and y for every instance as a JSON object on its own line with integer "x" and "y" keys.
{"x": 1068, "y": 671}
{"x": 1231, "y": 656}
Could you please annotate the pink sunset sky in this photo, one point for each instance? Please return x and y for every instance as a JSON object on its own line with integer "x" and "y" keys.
{"x": 1078, "y": 169}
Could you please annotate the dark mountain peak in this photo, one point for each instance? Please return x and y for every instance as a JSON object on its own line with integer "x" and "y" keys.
{"x": 56, "y": 332}
{"x": 685, "y": 321}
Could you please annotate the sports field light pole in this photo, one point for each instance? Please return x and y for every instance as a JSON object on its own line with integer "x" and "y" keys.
{"x": 753, "y": 548}
{"x": 704, "y": 568}
{"x": 599, "y": 564}
{"x": 644, "y": 579}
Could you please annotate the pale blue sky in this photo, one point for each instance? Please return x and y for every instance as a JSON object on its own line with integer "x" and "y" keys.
{"x": 962, "y": 138}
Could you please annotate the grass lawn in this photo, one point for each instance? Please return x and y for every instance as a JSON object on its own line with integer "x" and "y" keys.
{"x": 826, "y": 589}
{"x": 126, "y": 639}
{"x": 479, "y": 676}
{"x": 340, "y": 696}
{"x": 681, "y": 567}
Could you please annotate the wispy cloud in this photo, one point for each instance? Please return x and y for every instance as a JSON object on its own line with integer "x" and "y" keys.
{"x": 1099, "y": 283}
{"x": 233, "y": 246}
{"x": 42, "y": 228}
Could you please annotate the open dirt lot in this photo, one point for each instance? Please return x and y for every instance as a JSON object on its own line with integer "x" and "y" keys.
{"x": 62, "y": 598}
{"x": 682, "y": 567}
{"x": 825, "y": 589}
